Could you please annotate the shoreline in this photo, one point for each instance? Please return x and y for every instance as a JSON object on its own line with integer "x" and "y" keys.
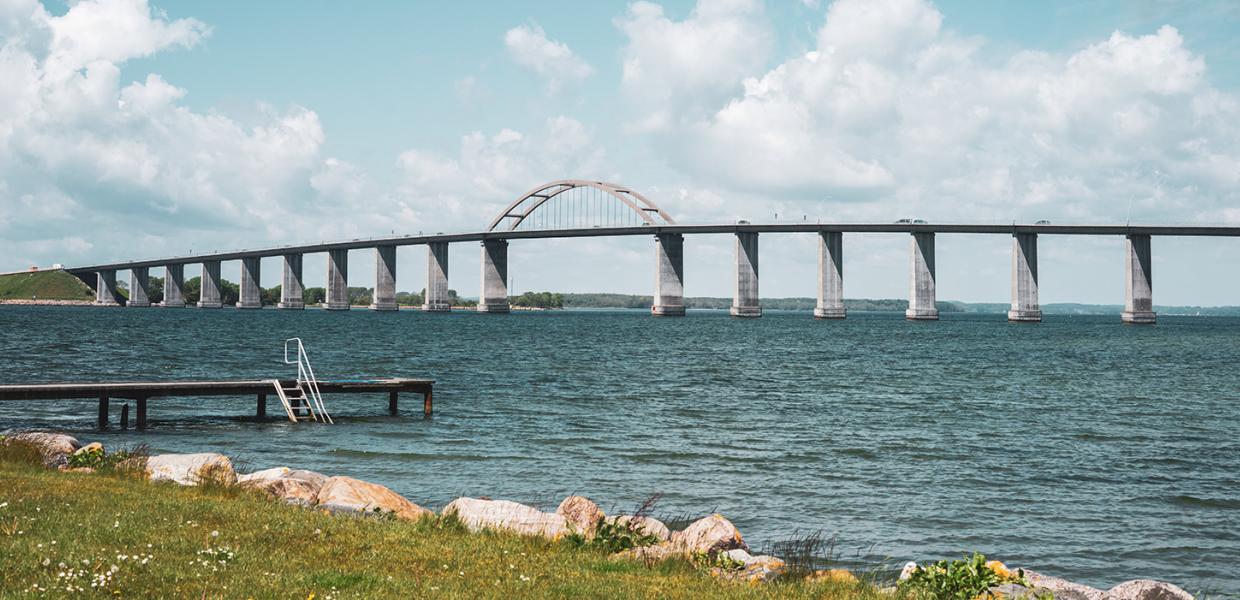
{"x": 712, "y": 545}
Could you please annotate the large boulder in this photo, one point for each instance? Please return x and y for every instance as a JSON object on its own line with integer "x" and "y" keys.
{"x": 582, "y": 514}
{"x": 709, "y": 534}
{"x": 311, "y": 477}
{"x": 1062, "y": 588}
{"x": 345, "y": 494}
{"x": 55, "y": 447}
{"x": 293, "y": 487}
{"x": 477, "y": 514}
{"x": 646, "y": 525}
{"x": 264, "y": 475}
{"x": 191, "y": 469}
{"x": 1146, "y": 589}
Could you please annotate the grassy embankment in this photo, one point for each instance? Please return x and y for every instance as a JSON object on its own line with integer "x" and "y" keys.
{"x": 133, "y": 538}
{"x": 44, "y": 285}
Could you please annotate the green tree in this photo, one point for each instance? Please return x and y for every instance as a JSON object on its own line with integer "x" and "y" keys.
{"x": 314, "y": 296}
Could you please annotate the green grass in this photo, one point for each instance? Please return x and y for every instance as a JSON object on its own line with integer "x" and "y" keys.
{"x": 162, "y": 540}
{"x": 45, "y": 285}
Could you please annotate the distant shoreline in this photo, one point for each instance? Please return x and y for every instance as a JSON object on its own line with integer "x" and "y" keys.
{"x": 40, "y": 302}
{"x": 1048, "y": 310}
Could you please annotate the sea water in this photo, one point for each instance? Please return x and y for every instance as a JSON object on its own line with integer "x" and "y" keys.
{"x": 1078, "y": 447}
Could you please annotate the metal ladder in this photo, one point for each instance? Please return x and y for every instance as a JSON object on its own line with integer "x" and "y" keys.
{"x": 305, "y": 392}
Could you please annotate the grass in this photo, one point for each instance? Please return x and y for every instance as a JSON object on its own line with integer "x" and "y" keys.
{"x": 45, "y": 285}
{"x": 134, "y": 538}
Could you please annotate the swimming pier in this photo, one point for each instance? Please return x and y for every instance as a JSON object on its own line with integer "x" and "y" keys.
{"x": 142, "y": 391}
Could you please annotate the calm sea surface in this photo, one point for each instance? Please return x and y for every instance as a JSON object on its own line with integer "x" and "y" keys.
{"x": 1078, "y": 447}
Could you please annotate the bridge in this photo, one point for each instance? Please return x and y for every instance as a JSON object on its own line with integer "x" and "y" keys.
{"x": 581, "y": 208}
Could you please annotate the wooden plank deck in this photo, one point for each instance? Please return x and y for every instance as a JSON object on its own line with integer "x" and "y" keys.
{"x": 141, "y": 391}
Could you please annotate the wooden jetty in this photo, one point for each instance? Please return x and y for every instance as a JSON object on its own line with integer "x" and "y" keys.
{"x": 141, "y": 391}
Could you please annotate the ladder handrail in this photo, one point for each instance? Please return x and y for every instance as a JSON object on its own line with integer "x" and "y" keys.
{"x": 313, "y": 384}
{"x": 306, "y": 377}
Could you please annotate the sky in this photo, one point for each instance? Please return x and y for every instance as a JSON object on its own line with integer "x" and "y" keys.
{"x": 133, "y": 129}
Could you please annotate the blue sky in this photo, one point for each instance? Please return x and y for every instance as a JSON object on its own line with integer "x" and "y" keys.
{"x": 133, "y": 130}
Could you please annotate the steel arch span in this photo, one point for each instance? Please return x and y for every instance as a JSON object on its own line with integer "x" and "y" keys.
{"x": 575, "y": 203}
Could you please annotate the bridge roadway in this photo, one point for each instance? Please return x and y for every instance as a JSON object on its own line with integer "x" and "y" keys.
{"x": 478, "y": 236}
{"x": 668, "y": 297}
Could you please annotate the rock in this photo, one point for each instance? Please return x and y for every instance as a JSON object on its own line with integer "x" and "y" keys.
{"x": 1062, "y": 588}
{"x": 999, "y": 569}
{"x": 646, "y": 525}
{"x": 345, "y": 494}
{"x": 280, "y": 483}
{"x": 88, "y": 448}
{"x": 55, "y": 447}
{"x": 292, "y": 491}
{"x": 477, "y": 514}
{"x": 294, "y": 487}
{"x": 1146, "y": 589}
{"x": 909, "y": 568}
{"x": 315, "y": 479}
{"x": 264, "y": 475}
{"x": 766, "y": 561}
{"x": 582, "y": 514}
{"x": 1013, "y": 591}
{"x": 191, "y": 469}
{"x": 755, "y": 569}
{"x": 709, "y": 534}
{"x": 839, "y": 576}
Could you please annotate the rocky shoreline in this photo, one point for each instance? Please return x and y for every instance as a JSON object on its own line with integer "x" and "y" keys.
{"x": 712, "y": 541}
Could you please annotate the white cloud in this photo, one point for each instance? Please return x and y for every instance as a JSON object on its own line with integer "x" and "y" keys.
{"x": 553, "y": 61}
{"x": 467, "y": 191}
{"x": 899, "y": 115}
{"x": 75, "y": 139}
{"x": 114, "y": 31}
{"x": 675, "y": 67}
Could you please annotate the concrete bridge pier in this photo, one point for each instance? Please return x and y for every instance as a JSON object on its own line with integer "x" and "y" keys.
{"x": 105, "y": 289}
{"x": 337, "y": 280}
{"x": 830, "y": 276}
{"x": 251, "y": 294}
{"x": 385, "y": 279}
{"x": 174, "y": 286}
{"x": 745, "y": 297}
{"x": 669, "y": 280}
{"x": 209, "y": 291}
{"x": 1138, "y": 281}
{"x": 921, "y": 281}
{"x": 292, "y": 291}
{"x": 139, "y": 287}
{"x": 436, "y": 299}
{"x": 1025, "y": 306}
{"x": 494, "y": 297}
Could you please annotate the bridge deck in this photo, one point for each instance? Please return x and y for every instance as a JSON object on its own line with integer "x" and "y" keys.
{"x": 141, "y": 391}
{"x": 411, "y": 240}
